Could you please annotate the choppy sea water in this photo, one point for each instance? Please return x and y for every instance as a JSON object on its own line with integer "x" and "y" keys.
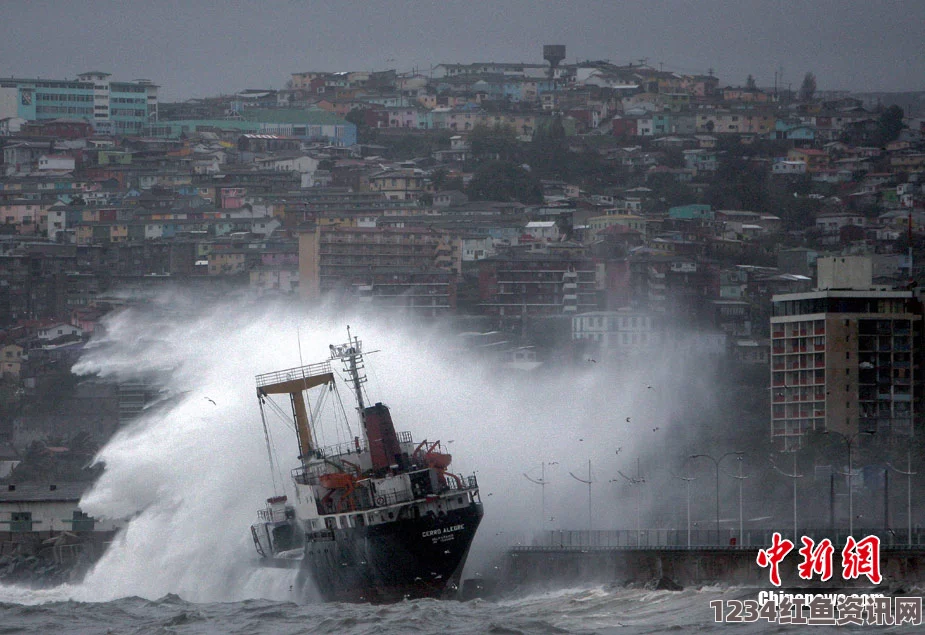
{"x": 597, "y": 610}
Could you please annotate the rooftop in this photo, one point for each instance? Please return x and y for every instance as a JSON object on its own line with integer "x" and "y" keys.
{"x": 41, "y": 492}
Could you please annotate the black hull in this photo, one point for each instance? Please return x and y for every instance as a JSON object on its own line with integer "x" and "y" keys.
{"x": 404, "y": 559}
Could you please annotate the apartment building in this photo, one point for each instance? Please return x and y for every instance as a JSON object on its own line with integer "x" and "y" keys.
{"x": 119, "y": 108}
{"x": 844, "y": 357}
{"x": 356, "y": 259}
{"x": 523, "y": 284}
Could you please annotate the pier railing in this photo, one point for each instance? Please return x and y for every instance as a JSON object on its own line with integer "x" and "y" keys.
{"x": 725, "y": 538}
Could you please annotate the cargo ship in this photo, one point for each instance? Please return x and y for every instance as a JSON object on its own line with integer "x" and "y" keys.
{"x": 376, "y": 519}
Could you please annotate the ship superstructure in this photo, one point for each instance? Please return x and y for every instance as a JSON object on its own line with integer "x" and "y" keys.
{"x": 379, "y": 518}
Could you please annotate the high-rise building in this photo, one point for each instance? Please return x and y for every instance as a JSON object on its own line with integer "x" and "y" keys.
{"x": 844, "y": 357}
{"x": 119, "y": 108}
{"x": 409, "y": 268}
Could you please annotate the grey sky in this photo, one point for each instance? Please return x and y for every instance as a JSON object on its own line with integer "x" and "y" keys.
{"x": 194, "y": 48}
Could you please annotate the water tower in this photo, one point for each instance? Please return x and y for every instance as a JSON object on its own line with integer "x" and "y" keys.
{"x": 553, "y": 53}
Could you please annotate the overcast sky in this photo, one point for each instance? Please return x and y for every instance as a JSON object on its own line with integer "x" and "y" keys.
{"x": 197, "y": 48}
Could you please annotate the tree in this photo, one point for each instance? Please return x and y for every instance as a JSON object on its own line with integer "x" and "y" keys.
{"x": 549, "y": 148}
{"x": 497, "y": 142}
{"x": 357, "y": 117}
{"x": 890, "y": 124}
{"x": 438, "y": 178}
{"x": 504, "y": 181}
{"x": 808, "y": 87}
{"x": 750, "y": 83}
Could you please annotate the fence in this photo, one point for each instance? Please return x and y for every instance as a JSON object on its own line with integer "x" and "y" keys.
{"x": 677, "y": 538}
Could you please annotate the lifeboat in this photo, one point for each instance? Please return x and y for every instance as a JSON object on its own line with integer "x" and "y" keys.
{"x": 431, "y": 455}
{"x": 337, "y": 480}
{"x": 438, "y": 460}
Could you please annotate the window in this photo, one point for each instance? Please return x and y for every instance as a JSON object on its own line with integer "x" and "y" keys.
{"x": 20, "y": 521}
{"x": 81, "y": 521}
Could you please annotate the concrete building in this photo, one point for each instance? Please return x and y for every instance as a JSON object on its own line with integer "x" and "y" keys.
{"x": 844, "y": 358}
{"x": 621, "y": 331}
{"x": 34, "y": 510}
{"x": 119, "y": 108}
{"x": 526, "y": 284}
{"x": 353, "y": 259}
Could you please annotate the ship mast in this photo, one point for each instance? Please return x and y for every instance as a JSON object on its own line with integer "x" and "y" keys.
{"x": 351, "y": 355}
{"x": 354, "y": 358}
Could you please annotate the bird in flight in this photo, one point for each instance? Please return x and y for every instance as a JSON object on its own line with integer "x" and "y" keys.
{"x": 627, "y": 419}
{"x": 656, "y": 429}
{"x": 209, "y": 400}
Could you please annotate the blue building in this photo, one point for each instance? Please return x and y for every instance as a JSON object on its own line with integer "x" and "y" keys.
{"x": 311, "y": 124}
{"x": 119, "y": 108}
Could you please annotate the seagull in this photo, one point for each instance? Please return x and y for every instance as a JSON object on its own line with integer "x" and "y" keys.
{"x": 627, "y": 419}
{"x": 593, "y": 361}
{"x": 207, "y": 399}
{"x": 655, "y": 429}
{"x": 649, "y": 388}
{"x": 447, "y": 551}
{"x": 618, "y": 449}
{"x": 554, "y": 463}
{"x": 581, "y": 439}
{"x": 490, "y": 493}
{"x": 552, "y": 518}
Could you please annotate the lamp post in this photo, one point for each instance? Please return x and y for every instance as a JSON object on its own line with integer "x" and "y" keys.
{"x": 639, "y": 480}
{"x": 740, "y": 478}
{"x": 849, "y": 440}
{"x": 793, "y": 476}
{"x": 542, "y": 482}
{"x": 588, "y": 482}
{"x": 716, "y": 463}
{"x": 909, "y": 473}
{"x": 687, "y": 480}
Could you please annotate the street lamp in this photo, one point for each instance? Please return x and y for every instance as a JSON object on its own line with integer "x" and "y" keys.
{"x": 716, "y": 463}
{"x": 639, "y": 480}
{"x": 542, "y": 482}
{"x": 793, "y": 476}
{"x": 740, "y": 478}
{"x": 849, "y": 441}
{"x": 909, "y": 473}
{"x": 588, "y": 482}
{"x": 687, "y": 480}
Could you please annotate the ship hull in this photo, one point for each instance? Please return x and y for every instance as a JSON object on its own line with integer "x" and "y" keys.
{"x": 401, "y": 559}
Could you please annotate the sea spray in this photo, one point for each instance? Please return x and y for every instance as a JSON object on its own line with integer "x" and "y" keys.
{"x": 190, "y": 473}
